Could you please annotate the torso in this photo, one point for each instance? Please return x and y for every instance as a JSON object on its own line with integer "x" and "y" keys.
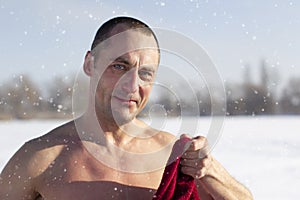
{"x": 69, "y": 171}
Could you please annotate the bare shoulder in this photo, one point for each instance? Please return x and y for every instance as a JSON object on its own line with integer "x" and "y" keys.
{"x": 157, "y": 135}
{"x": 18, "y": 176}
{"x": 35, "y": 152}
{"x": 164, "y": 137}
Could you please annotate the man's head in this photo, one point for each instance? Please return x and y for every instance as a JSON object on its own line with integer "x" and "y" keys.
{"x": 122, "y": 66}
{"x": 105, "y": 31}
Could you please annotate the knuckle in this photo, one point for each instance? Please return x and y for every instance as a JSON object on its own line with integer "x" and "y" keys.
{"x": 199, "y": 142}
{"x": 205, "y": 162}
{"x": 202, "y": 154}
{"x": 184, "y": 156}
{"x": 201, "y": 172}
{"x": 194, "y": 146}
{"x": 183, "y": 162}
{"x": 198, "y": 175}
{"x": 200, "y": 138}
{"x": 184, "y": 135}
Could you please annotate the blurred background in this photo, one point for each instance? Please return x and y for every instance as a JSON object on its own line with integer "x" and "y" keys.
{"x": 254, "y": 45}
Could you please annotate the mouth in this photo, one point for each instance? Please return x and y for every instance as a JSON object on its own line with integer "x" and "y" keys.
{"x": 128, "y": 102}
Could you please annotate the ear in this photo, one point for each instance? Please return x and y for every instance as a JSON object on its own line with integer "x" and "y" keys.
{"x": 88, "y": 65}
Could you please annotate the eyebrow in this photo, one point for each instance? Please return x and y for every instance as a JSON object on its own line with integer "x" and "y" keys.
{"x": 122, "y": 60}
{"x": 148, "y": 67}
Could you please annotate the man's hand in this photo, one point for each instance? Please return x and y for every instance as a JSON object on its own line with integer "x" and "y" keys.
{"x": 210, "y": 176}
{"x": 196, "y": 160}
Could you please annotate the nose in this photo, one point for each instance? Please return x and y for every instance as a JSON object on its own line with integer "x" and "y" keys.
{"x": 130, "y": 81}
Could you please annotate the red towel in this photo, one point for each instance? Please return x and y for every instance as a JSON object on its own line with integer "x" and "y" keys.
{"x": 175, "y": 185}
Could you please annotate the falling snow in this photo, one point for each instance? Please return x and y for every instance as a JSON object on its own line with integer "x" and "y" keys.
{"x": 248, "y": 140}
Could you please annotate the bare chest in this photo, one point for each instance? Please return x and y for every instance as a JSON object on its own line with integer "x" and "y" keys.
{"x": 95, "y": 190}
{"x": 82, "y": 177}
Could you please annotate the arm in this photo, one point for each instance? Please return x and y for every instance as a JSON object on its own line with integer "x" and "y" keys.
{"x": 15, "y": 181}
{"x": 221, "y": 185}
{"x": 210, "y": 175}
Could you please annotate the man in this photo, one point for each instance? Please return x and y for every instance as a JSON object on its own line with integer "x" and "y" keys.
{"x": 103, "y": 153}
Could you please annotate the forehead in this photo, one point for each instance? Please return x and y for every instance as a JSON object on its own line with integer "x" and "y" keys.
{"x": 131, "y": 39}
{"x": 128, "y": 45}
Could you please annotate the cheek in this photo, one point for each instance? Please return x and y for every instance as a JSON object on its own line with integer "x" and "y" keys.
{"x": 146, "y": 91}
{"x": 107, "y": 84}
{"x": 103, "y": 91}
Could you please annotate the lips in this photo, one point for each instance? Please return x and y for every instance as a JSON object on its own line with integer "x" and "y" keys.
{"x": 126, "y": 101}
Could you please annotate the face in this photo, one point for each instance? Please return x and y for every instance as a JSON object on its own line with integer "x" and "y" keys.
{"x": 123, "y": 81}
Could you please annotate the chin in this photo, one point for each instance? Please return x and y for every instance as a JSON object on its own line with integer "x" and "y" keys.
{"x": 122, "y": 117}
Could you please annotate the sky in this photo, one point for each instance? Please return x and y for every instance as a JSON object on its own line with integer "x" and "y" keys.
{"x": 47, "y": 38}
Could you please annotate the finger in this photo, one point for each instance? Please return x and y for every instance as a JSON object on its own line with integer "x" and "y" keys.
{"x": 191, "y": 155}
{"x": 195, "y": 163}
{"x": 195, "y": 173}
{"x": 198, "y": 163}
{"x": 198, "y": 142}
{"x": 186, "y": 138}
{"x": 189, "y": 171}
{"x": 202, "y": 153}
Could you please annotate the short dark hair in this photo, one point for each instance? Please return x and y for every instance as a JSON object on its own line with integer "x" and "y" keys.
{"x": 104, "y": 32}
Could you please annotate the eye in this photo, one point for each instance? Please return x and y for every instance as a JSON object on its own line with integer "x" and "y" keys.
{"x": 119, "y": 67}
{"x": 146, "y": 75}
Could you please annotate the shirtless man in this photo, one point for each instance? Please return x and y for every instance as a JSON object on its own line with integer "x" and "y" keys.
{"x": 93, "y": 157}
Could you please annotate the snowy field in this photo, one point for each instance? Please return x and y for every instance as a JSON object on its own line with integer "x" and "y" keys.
{"x": 261, "y": 152}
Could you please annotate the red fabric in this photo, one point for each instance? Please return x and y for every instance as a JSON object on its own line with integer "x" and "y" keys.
{"x": 175, "y": 185}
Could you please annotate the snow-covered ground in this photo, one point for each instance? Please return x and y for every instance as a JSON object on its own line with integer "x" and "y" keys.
{"x": 261, "y": 152}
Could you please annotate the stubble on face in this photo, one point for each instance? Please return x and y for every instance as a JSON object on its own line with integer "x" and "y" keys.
{"x": 109, "y": 95}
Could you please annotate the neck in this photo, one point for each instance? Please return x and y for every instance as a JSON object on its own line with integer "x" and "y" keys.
{"x": 107, "y": 131}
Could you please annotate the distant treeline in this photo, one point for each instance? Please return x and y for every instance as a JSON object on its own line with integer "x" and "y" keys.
{"x": 21, "y": 98}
